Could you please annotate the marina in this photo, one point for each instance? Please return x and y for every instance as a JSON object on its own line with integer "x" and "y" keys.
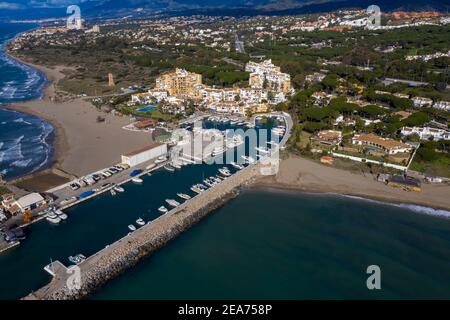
{"x": 78, "y": 210}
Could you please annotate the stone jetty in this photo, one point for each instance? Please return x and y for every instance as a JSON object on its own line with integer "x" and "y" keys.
{"x": 126, "y": 252}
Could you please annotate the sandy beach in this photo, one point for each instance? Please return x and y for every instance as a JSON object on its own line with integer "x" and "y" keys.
{"x": 82, "y": 145}
{"x": 306, "y": 175}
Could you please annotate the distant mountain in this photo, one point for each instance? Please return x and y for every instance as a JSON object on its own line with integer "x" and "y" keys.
{"x": 120, "y": 8}
{"x": 254, "y": 7}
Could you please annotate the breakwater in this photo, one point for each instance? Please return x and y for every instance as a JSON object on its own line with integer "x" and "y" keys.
{"x": 126, "y": 252}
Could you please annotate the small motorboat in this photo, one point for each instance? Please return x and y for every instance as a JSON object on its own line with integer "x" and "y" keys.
{"x": 184, "y": 196}
{"x": 140, "y": 222}
{"x": 169, "y": 168}
{"x": 225, "y": 171}
{"x": 149, "y": 174}
{"x": 119, "y": 189}
{"x": 172, "y": 202}
{"x": 53, "y": 218}
{"x": 163, "y": 209}
{"x": 137, "y": 180}
{"x": 131, "y": 227}
{"x": 113, "y": 193}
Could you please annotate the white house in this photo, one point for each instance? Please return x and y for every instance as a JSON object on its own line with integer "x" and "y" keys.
{"x": 420, "y": 102}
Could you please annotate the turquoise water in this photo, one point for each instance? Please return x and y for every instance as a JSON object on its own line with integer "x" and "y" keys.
{"x": 286, "y": 245}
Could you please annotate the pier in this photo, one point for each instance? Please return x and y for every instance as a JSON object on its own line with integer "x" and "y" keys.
{"x": 126, "y": 252}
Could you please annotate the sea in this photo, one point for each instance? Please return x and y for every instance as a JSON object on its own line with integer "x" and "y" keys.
{"x": 25, "y": 140}
{"x": 264, "y": 244}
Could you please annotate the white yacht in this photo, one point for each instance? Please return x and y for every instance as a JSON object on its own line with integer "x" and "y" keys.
{"x": 140, "y": 222}
{"x": 137, "y": 180}
{"x": 162, "y": 209}
{"x": 184, "y": 196}
{"x": 119, "y": 189}
{"x": 53, "y": 218}
{"x": 131, "y": 227}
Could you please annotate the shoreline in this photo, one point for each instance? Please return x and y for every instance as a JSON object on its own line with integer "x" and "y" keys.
{"x": 76, "y": 130}
{"x": 283, "y": 188}
{"x": 305, "y": 175}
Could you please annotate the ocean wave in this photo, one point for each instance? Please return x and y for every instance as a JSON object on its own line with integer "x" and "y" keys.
{"x": 20, "y": 120}
{"x": 14, "y": 152}
{"x": 412, "y": 207}
{"x": 22, "y": 163}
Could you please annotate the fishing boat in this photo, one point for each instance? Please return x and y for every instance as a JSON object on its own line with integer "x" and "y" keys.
{"x": 172, "y": 202}
{"x": 137, "y": 180}
{"x": 169, "y": 168}
{"x": 113, "y": 193}
{"x": 184, "y": 196}
{"x": 140, "y": 222}
{"x": 131, "y": 227}
{"x": 119, "y": 189}
{"x": 162, "y": 209}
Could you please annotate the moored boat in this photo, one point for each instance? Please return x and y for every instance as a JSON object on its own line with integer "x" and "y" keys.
{"x": 131, "y": 227}
{"x": 137, "y": 180}
{"x": 119, "y": 189}
{"x": 162, "y": 209}
{"x": 184, "y": 196}
{"x": 140, "y": 222}
{"x": 172, "y": 202}
{"x": 169, "y": 168}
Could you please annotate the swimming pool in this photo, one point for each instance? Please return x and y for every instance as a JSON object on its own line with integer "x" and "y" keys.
{"x": 147, "y": 108}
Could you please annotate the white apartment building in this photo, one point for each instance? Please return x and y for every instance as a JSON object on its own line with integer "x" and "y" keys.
{"x": 442, "y": 105}
{"x": 420, "y": 102}
{"x": 427, "y": 132}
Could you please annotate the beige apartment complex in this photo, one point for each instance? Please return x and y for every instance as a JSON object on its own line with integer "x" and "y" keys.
{"x": 179, "y": 82}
